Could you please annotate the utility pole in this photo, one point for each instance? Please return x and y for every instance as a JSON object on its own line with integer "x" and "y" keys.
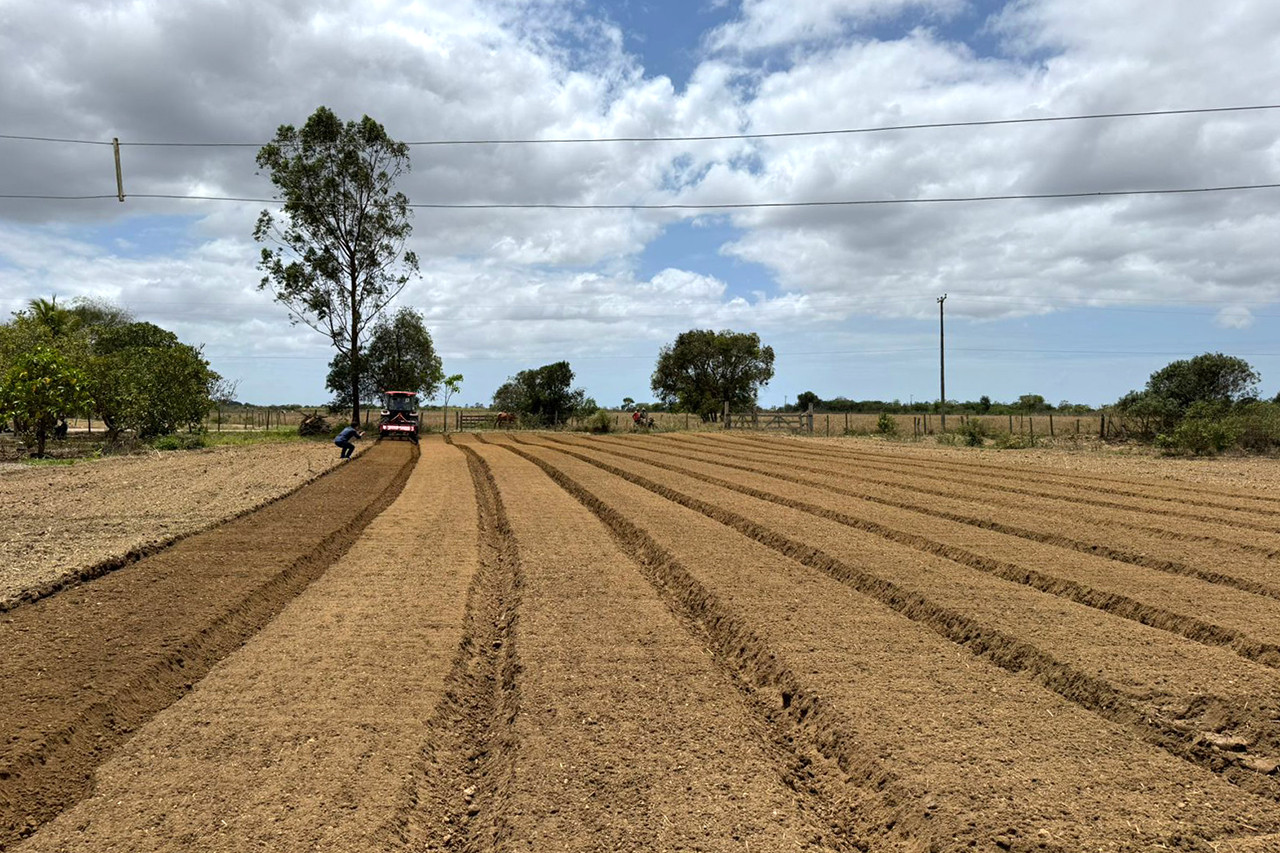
{"x": 942, "y": 362}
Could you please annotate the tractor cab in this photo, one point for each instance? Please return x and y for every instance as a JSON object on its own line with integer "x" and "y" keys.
{"x": 399, "y": 415}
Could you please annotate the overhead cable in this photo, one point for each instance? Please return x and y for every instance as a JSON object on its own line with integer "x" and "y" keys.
{"x": 746, "y": 205}
{"x": 706, "y": 137}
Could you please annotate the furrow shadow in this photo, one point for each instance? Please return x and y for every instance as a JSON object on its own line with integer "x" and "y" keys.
{"x": 1009, "y": 653}
{"x": 1075, "y": 499}
{"x": 1068, "y": 480}
{"x": 459, "y": 797}
{"x": 56, "y": 771}
{"x": 818, "y": 756}
{"x": 1056, "y": 540}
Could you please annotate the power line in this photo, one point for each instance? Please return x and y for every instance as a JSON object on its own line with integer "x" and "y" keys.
{"x": 709, "y": 206}
{"x": 707, "y": 137}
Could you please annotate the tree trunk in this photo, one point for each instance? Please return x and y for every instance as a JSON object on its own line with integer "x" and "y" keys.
{"x": 355, "y": 354}
{"x": 40, "y": 436}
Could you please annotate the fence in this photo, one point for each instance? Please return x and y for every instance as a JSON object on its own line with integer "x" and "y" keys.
{"x": 756, "y": 419}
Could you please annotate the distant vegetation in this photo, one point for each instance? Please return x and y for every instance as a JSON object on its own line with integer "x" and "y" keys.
{"x": 93, "y": 359}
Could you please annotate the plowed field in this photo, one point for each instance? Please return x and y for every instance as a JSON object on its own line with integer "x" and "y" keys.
{"x": 722, "y": 643}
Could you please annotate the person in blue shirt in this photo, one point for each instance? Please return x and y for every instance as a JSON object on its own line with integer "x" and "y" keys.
{"x": 343, "y": 440}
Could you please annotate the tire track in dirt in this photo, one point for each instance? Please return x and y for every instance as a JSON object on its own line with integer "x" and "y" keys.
{"x": 815, "y": 757}
{"x": 1272, "y": 528}
{"x": 1175, "y": 567}
{"x": 462, "y": 791}
{"x": 1270, "y": 506}
{"x": 933, "y": 486}
{"x": 1117, "y": 604}
{"x": 87, "y": 666}
{"x": 1004, "y": 650}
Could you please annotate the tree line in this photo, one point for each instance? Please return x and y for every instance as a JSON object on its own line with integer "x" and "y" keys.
{"x": 94, "y": 359}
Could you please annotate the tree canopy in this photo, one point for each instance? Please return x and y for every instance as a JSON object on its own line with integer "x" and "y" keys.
{"x": 336, "y": 255}
{"x": 542, "y": 394}
{"x": 400, "y": 356}
{"x": 1209, "y": 382}
{"x": 702, "y": 370}
{"x": 133, "y": 376}
{"x": 38, "y": 389}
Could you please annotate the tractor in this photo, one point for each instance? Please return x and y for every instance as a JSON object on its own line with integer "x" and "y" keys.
{"x": 400, "y": 417}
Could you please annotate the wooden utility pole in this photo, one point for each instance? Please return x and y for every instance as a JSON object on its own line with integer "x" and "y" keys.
{"x": 115, "y": 149}
{"x": 942, "y": 363}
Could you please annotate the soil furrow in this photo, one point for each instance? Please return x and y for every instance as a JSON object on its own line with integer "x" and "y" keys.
{"x": 1008, "y": 653}
{"x": 1005, "y": 650}
{"x": 1126, "y": 521}
{"x": 1229, "y": 517}
{"x": 1270, "y": 505}
{"x": 84, "y": 668}
{"x": 819, "y": 760}
{"x": 1191, "y": 627}
{"x": 1199, "y": 691}
{"x": 463, "y": 787}
{"x": 1059, "y": 540}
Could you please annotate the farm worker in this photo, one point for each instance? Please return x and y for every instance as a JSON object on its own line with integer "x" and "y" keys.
{"x": 343, "y": 440}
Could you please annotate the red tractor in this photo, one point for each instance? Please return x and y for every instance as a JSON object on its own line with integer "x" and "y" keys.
{"x": 400, "y": 417}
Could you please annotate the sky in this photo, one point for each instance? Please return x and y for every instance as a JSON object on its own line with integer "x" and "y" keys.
{"x": 1073, "y": 299}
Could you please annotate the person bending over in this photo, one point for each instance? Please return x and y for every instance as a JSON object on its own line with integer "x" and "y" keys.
{"x": 344, "y": 440}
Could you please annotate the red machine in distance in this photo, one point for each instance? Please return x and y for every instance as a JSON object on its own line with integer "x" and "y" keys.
{"x": 399, "y": 415}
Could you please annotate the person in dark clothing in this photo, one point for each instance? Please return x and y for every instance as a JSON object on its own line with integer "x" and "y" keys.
{"x": 344, "y": 440}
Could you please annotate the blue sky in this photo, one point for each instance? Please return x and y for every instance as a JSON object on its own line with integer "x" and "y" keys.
{"x": 1072, "y": 300}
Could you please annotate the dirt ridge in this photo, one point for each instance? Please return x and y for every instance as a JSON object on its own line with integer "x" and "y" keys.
{"x": 469, "y": 761}
{"x": 1005, "y": 651}
{"x": 38, "y": 783}
{"x": 1077, "y": 499}
{"x": 1198, "y": 630}
{"x": 800, "y": 721}
{"x": 1067, "y": 477}
{"x": 1161, "y": 532}
{"x": 1120, "y": 555}
{"x": 85, "y": 574}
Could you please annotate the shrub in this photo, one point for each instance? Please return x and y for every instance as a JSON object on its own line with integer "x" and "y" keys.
{"x": 600, "y": 422}
{"x": 1200, "y": 436}
{"x": 886, "y": 424}
{"x": 973, "y": 431}
{"x": 1011, "y": 441}
{"x": 186, "y": 441}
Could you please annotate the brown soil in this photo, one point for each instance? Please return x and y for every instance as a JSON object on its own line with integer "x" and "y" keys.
{"x": 671, "y": 643}
{"x": 70, "y": 523}
{"x": 84, "y": 667}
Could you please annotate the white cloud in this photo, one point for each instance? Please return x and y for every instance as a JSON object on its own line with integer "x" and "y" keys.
{"x": 1235, "y": 317}
{"x": 516, "y": 282}
{"x": 765, "y": 24}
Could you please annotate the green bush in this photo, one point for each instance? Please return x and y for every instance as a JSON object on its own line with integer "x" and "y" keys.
{"x": 185, "y": 441}
{"x": 886, "y": 424}
{"x": 1201, "y": 436}
{"x": 1011, "y": 441}
{"x": 1257, "y": 426}
{"x": 973, "y": 431}
{"x": 600, "y": 422}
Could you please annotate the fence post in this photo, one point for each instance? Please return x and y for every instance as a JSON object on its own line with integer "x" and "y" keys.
{"x": 1102, "y": 426}
{"x": 846, "y": 423}
{"x": 686, "y": 421}
{"x": 810, "y": 413}
{"x": 1010, "y": 424}
{"x": 1051, "y": 425}
{"x": 725, "y": 415}
{"x": 1031, "y": 422}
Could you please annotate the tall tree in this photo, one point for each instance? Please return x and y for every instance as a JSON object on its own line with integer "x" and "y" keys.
{"x": 702, "y": 370}
{"x": 400, "y": 356}
{"x": 542, "y": 394}
{"x": 337, "y": 254}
